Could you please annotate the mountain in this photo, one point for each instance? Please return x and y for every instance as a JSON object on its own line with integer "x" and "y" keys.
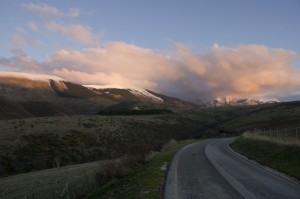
{"x": 229, "y": 101}
{"x": 125, "y": 94}
{"x": 122, "y": 95}
{"x": 45, "y": 95}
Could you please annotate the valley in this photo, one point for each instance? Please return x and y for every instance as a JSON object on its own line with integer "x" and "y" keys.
{"x": 50, "y": 124}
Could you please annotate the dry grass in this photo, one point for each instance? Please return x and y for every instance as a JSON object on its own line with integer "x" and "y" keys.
{"x": 41, "y": 183}
{"x": 279, "y": 140}
{"x": 169, "y": 144}
{"x": 144, "y": 182}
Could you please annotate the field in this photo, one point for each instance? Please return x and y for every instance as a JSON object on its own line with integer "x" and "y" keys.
{"x": 41, "y": 143}
{"x": 50, "y": 183}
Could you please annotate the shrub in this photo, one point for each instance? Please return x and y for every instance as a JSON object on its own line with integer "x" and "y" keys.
{"x": 140, "y": 151}
{"x": 112, "y": 169}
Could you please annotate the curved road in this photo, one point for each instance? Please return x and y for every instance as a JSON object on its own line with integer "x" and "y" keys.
{"x": 209, "y": 169}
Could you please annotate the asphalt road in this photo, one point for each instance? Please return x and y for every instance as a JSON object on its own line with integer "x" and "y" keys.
{"x": 209, "y": 169}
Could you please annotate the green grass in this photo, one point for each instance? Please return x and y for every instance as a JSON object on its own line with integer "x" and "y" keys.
{"x": 145, "y": 182}
{"x": 284, "y": 158}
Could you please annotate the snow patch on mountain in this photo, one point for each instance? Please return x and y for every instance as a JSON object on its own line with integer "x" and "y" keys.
{"x": 105, "y": 86}
{"x": 145, "y": 93}
{"x": 229, "y": 101}
{"x": 135, "y": 91}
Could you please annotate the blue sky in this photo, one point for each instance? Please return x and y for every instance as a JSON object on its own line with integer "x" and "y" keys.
{"x": 155, "y": 24}
{"x": 38, "y": 30}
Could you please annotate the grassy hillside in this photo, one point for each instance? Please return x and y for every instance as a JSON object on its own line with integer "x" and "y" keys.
{"x": 44, "y": 109}
{"x": 9, "y": 110}
{"x": 41, "y": 143}
{"x": 282, "y": 157}
{"x": 50, "y": 183}
{"x": 236, "y": 120}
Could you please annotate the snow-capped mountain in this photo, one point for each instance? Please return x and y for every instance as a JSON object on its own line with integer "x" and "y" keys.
{"x": 46, "y": 95}
{"x": 229, "y": 101}
{"x": 140, "y": 94}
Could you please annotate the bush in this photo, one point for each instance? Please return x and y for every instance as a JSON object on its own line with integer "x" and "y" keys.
{"x": 112, "y": 169}
{"x": 140, "y": 151}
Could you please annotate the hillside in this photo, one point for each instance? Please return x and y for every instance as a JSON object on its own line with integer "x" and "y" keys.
{"x": 46, "y": 109}
{"x": 10, "y": 110}
{"x": 236, "y": 120}
{"x": 44, "y": 95}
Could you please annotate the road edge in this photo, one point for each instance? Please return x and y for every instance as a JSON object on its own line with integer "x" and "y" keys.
{"x": 233, "y": 182}
{"x": 269, "y": 169}
{"x": 171, "y": 173}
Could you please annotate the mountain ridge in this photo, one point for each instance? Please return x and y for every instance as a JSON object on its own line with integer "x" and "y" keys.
{"x": 32, "y": 92}
{"x": 229, "y": 101}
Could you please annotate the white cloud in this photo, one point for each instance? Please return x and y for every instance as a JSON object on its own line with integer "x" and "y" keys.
{"x": 33, "y": 26}
{"x": 42, "y": 9}
{"x": 76, "y": 32}
{"x": 74, "y": 12}
{"x": 20, "y": 39}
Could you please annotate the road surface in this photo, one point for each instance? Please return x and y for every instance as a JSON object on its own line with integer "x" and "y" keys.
{"x": 209, "y": 169}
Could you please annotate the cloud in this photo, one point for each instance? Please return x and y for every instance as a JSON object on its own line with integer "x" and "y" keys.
{"x": 76, "y": 32}
{"x": 250, "y": 70}
{"x": 42, "y": 9}
{"x": 242, "y": 71}
{"x": 128, "y": 65}
{"x": 20, "y": 39}
{"x": 46, "y": 10}
{"x": 20, "y": 61}
{"x": 74, "y": 12}
{"x": 33, "y": 26}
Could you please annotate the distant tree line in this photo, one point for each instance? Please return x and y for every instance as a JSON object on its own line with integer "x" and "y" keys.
{"x": 135, "y": 112}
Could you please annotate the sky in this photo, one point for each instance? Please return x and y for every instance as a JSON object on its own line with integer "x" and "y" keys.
{"x": 193, "y": 49}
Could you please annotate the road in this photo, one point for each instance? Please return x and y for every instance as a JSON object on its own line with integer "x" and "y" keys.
{"x": 209, "y": 169}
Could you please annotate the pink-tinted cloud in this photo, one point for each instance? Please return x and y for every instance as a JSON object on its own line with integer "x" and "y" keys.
{"x": 20, "y": 61}
{"x": 21, "y": 39}
{"x": 101, "y": 78}
{"x": 76, "y": 32}
{"x": 242, "y": 71}
{"x": 42, "y": 9}
{"x": 18, "y": 38}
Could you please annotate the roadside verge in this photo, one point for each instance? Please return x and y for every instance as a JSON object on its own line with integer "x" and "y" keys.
{"x": 144, "y": 182}
{"x": 283, "y": 158}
